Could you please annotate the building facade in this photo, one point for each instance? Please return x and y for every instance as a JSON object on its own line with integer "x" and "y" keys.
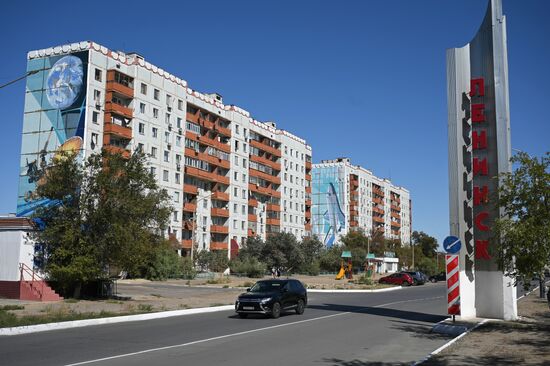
{"x": 348, "y": 197}
{"x": 229, "y": 175}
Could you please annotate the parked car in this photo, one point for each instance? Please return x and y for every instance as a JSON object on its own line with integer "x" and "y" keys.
{"x": 400, "y": 278}
{"x": 418, "y": 277}
{"x": 272, "y": 297}
{"x": 438, "y": 277}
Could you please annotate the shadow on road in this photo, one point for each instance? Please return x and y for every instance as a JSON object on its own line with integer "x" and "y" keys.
{"x": 385, "y": 312}
{"x": 338, "y": 362}
{"x": 420, "y": 330}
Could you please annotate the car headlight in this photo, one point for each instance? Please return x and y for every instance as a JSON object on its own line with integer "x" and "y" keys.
{"x": 267, "y": 299}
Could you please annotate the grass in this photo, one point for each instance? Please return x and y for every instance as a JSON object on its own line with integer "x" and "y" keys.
{"x": 11, "y": 307}
{"x": 145, "y": 308}
{"x": 156, "y": 295}
{"x": 219, "y": 280}
{"x": 71, "y": 301}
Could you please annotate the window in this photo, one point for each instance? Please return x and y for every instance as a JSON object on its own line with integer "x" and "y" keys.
{"x": 155, "y": 131}
{"x": 165, "y": 175}
{"x": 153, "y": 152}
{"x": 237, "y": 129}
{"x": 236, "y": 176}
{"x": 178, "y": 122}
{"x": 97, "y": 95}
{"x": 236, "y": 161}
{"x": 167, "y": 119}
{"x": 244, "y": 178}
{"x": 166, "y": 156}
{"x": 177, "y": 178}
{"x": 243, "y": 209}
{"x": 176, "y": 216}
{"x": 244, "y": 163}
{"x": 140, "y": 147}
{"x": 178, "y": 140}
{"x": 243, "y": 225}
{"x": 235, "y": 192}
{"x": 143, "y": 89}
{"x": 236, "y": 145}
{"x": 141, "y": 128}
{"x": 95, "y": 117}
{"x": 153, "y": 170}
{"x": 180, "y": 104}
{"x": 192, "y": 127}
{"x": 142, "y": 108}
{"x": 244, "y": 193}
{"x": 234, "y": 208}
{"x": 155, "y": 113}
{"x": 167, "y": 137}
{"x": 244, "y": 147}
{"x": 98, "y": 76}
{"x": 204, "y": 203}
{"x": 156, "y": 94}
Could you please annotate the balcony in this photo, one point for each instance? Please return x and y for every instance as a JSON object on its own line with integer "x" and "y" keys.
{"x": 353, "y": 223}
{"x": 113, "y": 86}
{"x": 208, "y": 141}
{"x": 396, "y": 208}
{"x": 263, "y": 190}
{"x": 265, "y": 176}
{"x": 189, "y": 207}
{"x": 378, "y": 191}
{"x": 213, "y": 160}
{"x": 111, "y": 107}
{"x": 220, "y": 196}
{"x": 395, "y": 224}
{"x": 377, "y": 210}
{"x": 219, "y": 212}
{"x": 378, "y": 219}
{"x": 308, "y": 189}
{"x": 264, "y": 161}
{"x": 222, "y": 130}
{"x": 252, "y": 218}
{"x": 308, "y": 202}
{"x": 202, "y": 174}
{"x": 307, "y": 227}
{"x": 273, "y": 207}
{"x": 267, "y": 148}
{"x": 219, "y": 229}
{"x": 308, "y": 165}
{"x": 308, "y": 214}
{"x": 273, "y": 221}
{"x": 113, "y": 128}
{"x": 251, "y": 232}
{"x": 218, "y": 245}
{"x": 308, "y": 177}
{"x": 353, "y": 212}
{"x": 115, "y": 150}
{"x": 378, "y": 200}
{"x": 191, "y": 189}
{"x": 396, "y": 215}
{"x": 186, "y": 243}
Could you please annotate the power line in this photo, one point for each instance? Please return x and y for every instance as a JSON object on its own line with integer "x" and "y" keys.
{"x": 22, "y": 77}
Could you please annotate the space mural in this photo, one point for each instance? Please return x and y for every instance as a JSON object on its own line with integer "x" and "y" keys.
{"x": 54, "y": 120}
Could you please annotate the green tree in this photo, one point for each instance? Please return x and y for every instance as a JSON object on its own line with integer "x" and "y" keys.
{"x": 428, "y": 244}
{"x": 106, "y": 212}
{"x": 252, "y": 248}
{"x": 524, "y": 231}
{"x": 282, "y": 250}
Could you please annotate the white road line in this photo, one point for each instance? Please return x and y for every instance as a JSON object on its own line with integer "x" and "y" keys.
{"x": 238, "y": 333}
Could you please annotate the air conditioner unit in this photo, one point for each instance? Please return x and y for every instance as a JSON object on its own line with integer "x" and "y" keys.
{"x": 169, "y": 146}
{"x": 180, "y": 131}
{"x": 169, "y": 127}
{"x": 178, "y": 167}
{"x": 169, "y": 109}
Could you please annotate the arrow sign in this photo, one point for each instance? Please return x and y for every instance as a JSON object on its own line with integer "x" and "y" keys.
{"x": 452, "y": 244}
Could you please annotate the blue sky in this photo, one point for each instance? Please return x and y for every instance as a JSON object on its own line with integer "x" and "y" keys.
{"x": 362, "y": 79}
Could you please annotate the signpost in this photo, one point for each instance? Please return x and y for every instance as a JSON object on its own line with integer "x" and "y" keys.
{"x": 452, "y": 245}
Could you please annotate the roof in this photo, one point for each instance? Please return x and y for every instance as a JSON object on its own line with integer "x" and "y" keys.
{"x": 16, "y": 223}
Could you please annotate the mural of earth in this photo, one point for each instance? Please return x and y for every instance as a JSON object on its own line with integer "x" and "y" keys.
{"x": 65, "y": 82}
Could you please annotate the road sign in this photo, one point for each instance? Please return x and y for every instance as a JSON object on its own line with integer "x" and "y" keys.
{"x": 452, "y": 244}
{"x": 453, "y": 288}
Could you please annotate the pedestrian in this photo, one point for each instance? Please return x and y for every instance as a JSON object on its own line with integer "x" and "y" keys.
{"x": 273, "y": 272}
{"x": 278, "y": 272}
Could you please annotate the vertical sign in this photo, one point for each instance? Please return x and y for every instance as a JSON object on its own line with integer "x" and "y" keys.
{"x": 453, "y": 288}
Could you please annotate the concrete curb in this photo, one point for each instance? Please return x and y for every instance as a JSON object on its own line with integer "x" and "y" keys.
{"x": 139, "y": 317}
{"x": 111, "y": 320}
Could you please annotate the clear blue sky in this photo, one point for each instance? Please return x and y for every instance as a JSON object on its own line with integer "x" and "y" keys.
{"x": 363, "y": 79}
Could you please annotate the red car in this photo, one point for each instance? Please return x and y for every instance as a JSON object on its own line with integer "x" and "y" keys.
{"x": 402, "y": 279}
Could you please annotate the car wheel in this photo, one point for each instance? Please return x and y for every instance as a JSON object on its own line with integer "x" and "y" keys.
{"x": 276, "y": 310}
{"x": 406, "y": 283}
{"x": 300, "y": 307}
{"x": 242, "y": 315}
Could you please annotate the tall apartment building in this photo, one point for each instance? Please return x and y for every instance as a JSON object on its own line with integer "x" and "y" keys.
{"x": 229, "y": 175}
{"x": 348, "y": 197}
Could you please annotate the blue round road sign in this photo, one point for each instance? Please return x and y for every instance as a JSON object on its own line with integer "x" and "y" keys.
{"x": 451, "y": 244}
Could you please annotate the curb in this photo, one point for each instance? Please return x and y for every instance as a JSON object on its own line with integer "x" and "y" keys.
{"x": 111, "y": 320}
{"x": 355, "y": 291}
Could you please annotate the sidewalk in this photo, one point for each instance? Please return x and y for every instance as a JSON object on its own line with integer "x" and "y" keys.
{"x": 524, "y": 342}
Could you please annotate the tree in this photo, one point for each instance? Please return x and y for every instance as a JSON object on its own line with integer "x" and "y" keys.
{"x": 523, "y": 234}
{"x": 104, "y": 212}
{"x": 428, "y": 244}
{"x": 282, "y": 250}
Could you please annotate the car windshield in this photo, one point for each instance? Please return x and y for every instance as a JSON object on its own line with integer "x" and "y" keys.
{"x": 267, "y": 286}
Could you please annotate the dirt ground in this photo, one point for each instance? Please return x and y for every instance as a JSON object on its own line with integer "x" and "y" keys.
{"x": 144, "y": 296}
{"x": 524, "y": 342}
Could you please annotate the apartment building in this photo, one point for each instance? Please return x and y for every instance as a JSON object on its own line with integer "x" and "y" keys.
{"x": 348, "y": 197}
{"x": 230, "y": 176}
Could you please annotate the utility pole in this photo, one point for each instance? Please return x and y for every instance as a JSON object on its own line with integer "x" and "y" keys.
{"x": 412, "y": 246}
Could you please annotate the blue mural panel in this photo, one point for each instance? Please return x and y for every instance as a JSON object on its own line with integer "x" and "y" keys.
{"x": 328, "y": 218}
{"x": 54, "y": 120}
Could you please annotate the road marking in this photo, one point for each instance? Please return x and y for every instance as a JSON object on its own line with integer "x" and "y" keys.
{"x": 238, "y": 333}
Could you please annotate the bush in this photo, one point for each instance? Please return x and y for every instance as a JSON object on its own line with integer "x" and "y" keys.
{"x": 311, "y": 268}
{"x": 163, "y": 263}
{"x": 250, "y": 267}
{"x": 187, "y": 268}
{"x": 365, "y": 280}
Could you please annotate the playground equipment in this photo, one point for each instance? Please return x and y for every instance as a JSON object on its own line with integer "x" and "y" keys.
{"x": 345, "y": 270}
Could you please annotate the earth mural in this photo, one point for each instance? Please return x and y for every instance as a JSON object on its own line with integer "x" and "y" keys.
{"x": 65, "y": 82}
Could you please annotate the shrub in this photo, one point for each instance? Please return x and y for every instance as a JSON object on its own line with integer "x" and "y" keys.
{"x": 250, "y": 267}
{"x": 311, "y": 268}
{"x": 187, "y": 268}
{"x": 163, "y": 264}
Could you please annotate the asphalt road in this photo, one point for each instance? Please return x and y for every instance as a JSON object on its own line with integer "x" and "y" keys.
{"x": 336, "y": 329}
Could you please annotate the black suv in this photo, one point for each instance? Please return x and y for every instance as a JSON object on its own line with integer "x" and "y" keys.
{"x": 271, "y": 297}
